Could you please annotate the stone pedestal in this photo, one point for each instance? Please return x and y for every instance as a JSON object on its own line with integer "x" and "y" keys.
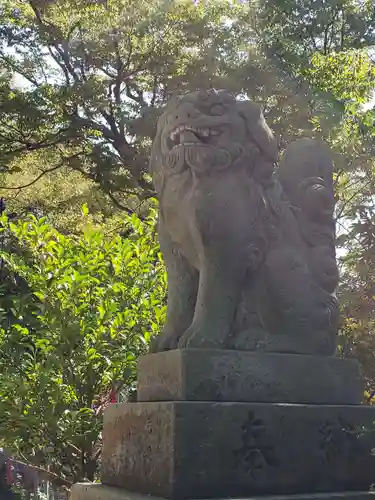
{"x": 208, "y": 450}
{"x": 243, "y": 376}
{"x": 85, "y": 491}
{"x": 215, "y": 424}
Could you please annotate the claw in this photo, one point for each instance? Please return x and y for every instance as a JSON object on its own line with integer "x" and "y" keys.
{"x": 163, "y": 343}
{"x": 197, "y": 338}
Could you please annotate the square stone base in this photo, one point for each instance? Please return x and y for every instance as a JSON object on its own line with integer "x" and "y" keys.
{"x": 182, "y": 450}
{"x": 243, "y": 376}
{"x": 89, "y": 491}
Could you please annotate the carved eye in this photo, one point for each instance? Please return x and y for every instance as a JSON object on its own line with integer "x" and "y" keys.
{"x": 217, "y": 109}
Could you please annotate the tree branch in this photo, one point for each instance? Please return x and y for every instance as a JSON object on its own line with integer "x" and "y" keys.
{"x": 351, "y": 198}
{"x": 42, "y": 174}
{"x": 138, "y": 97}
{"x": 119, "y": 67}
{"x": 18, "y": 70}
{"x": 119, "y": 205}
{"x": 111, "y": 122}
{"x": 56, "y": 59}
{"x": 63, "y": 51}
{"x": 154, "y": 90}
{"x": 45, "y": 472}
{"x": 107, "y": 134}
{"x": 29, "y": 146}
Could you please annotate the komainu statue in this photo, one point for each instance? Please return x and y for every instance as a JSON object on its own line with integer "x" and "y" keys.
{"x": 248, "y": 241}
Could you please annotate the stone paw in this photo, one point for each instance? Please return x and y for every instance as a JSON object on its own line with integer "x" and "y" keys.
{"x": 163, "y": 343}
{"x": 199, "y": 338}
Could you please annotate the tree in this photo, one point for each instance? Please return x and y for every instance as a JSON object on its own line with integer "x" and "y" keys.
{"x": 326, "y": 46}
{"x": 83, "y": 83}
{"x": 76, "y": 312}
{"x": 89, "y": 77}
{"x": 59, "y": 196}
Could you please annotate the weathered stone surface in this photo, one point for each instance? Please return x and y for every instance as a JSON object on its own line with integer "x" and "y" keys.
{"x": 250, "y": 255}
{"x": 89, "y": 491}
{"x": 196, "y": 450}
{"x": 225, "y": 375}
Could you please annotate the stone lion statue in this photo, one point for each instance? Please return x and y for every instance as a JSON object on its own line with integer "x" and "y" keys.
{"x": 249, "y": 246}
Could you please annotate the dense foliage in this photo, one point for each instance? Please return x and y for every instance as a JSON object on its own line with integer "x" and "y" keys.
{"x": 76, "y": 312}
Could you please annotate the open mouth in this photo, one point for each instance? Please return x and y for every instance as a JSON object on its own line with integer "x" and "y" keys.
{"x": 187, "y": 135}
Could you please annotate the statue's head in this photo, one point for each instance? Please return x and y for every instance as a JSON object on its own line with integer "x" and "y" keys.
{"x": 211, "y": 130}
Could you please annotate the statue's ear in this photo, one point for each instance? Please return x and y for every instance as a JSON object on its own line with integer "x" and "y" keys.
{"x": 155, "y": 158}
{"x": 155, "y": 164}
{"x": 258, "y": 129}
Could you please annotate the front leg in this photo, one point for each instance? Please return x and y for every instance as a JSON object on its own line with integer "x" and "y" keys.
{"x": 182, "y": 294}
{"x": 221, "y": 238}
{"x": 217, "y": 301}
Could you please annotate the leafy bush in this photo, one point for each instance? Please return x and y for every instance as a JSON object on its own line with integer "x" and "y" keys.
{"x": 76, "y": 312}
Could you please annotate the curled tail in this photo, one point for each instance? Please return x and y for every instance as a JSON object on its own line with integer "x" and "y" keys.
{"x": 306, "y": 177}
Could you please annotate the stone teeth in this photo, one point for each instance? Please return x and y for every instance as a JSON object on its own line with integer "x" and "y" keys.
{"x": 205, "y": 132}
